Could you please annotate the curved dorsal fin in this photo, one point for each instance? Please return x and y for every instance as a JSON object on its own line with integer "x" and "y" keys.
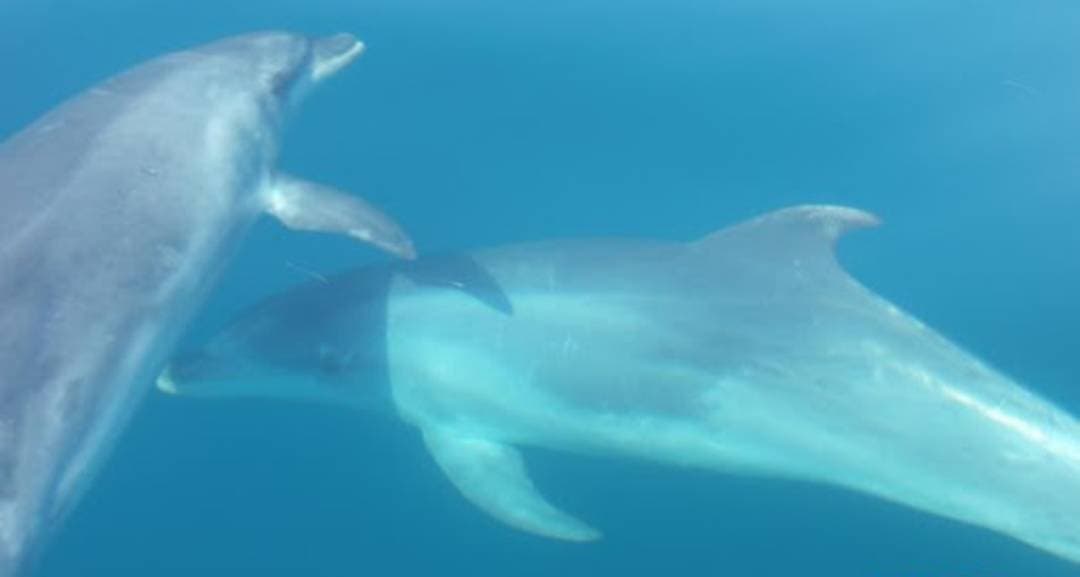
{"x": 458, "y": 271}
{"x": 798, "y": 233}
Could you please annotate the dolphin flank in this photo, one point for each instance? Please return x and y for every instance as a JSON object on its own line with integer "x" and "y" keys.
{"x": 118, "y": 209}
{"x": 749, "y": 351}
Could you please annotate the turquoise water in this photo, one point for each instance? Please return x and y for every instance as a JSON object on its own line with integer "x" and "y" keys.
{"x": 479, "y": 123}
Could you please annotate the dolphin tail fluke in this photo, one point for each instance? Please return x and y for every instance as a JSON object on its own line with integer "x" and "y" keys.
{"x": 303, "y": 205}
{"x": 492, "y": 476}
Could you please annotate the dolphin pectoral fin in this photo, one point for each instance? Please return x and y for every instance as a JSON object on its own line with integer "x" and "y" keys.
{"x": 492, "y": 476}
{"x": 303, "y": 205}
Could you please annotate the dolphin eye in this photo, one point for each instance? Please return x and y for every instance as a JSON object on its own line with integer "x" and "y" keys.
{"x": 291, "y": 70}
{"x": 332, "y": 362}
{"x": 281, "y": 82}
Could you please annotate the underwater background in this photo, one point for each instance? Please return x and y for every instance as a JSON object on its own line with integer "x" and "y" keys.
{"x": 486, "y": 122}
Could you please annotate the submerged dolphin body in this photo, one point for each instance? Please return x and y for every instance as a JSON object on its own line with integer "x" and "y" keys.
{"x": 117, "y": 211}
{"x": 749, "y": 351}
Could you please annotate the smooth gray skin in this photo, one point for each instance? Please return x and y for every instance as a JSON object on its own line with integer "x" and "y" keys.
{"x": 118, "y": 209}
{"x": 749, "y": 351}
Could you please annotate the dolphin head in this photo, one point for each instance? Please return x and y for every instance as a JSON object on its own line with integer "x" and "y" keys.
{"x": 283, "y": 66}
{"x": 323, "y": 343}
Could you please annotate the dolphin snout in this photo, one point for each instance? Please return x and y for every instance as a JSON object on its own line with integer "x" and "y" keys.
{"x": 191, "y": 372}
{"x": 166, "y": 383}
{"x": 332, "y": 53}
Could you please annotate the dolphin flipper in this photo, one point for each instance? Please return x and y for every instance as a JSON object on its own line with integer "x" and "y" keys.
{"x": 492, "y": 476}
{"x": 303, "y": 205}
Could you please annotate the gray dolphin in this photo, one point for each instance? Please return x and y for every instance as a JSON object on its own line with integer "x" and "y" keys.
{"x": 749, "y": 351}
{"x": 117, "y": 211}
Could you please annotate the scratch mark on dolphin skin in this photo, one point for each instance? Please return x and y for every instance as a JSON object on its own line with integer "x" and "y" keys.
{"x": 569, "y": 346}
{"x": 1026, "y": 89}
{"x": 307, "y": 272}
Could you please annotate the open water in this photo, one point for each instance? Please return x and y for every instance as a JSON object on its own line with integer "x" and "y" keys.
{"x": 482, "y": 122}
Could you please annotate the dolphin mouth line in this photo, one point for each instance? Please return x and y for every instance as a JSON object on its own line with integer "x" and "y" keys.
{"x": 330, "y": 66}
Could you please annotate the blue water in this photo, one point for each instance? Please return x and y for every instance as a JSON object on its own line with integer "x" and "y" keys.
{"x": 486, "y": 122}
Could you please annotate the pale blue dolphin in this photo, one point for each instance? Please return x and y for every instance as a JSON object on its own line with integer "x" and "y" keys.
{"x": 749, "y": 351}
{"x": 118, "y": 209}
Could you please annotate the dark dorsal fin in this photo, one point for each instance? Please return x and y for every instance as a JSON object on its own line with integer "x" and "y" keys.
{"x": 461, "y": 272}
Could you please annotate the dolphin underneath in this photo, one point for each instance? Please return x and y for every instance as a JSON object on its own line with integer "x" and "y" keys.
{"x": 117, "y": 211}
{"x": 748, "y": 351}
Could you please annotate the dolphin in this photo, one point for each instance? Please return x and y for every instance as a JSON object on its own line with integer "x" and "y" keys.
{"x": 749, "y": 351}
{"x": 118, "y": 210}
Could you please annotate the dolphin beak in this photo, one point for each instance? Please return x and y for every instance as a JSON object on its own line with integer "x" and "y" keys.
{"x": 166, "y": 384}
{"x": 333, "y": 53}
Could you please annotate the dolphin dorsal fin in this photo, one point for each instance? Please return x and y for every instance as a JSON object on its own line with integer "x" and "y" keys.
{"x": 461, "y": 272}
{"x": 804, "y": 234}
{"x": 492, "y": 476}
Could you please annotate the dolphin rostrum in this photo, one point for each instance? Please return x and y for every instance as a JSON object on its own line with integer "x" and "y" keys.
{"x": 748, "y": 351}
{"x": 117, "y": 211}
